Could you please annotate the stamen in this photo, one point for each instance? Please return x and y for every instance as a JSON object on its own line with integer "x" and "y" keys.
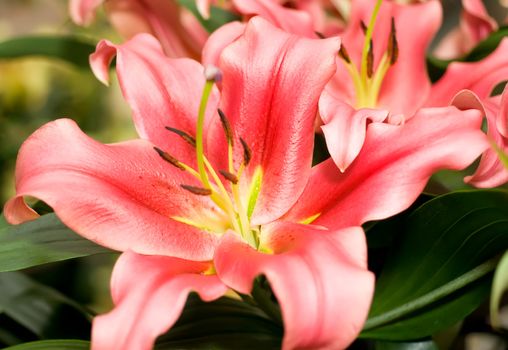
{"x": 247, "y": 153}
{"x": 368, "y": 36}
{"x": 393, "y": 46}
{"x": 200, "y": 191}
{"x": 227, "y": 127}
{"x": 229, "y": 176}
{"x": 169, "y": 158}
{"x": 363, "y": 26}
{"x": 370, "y": 60}
{"x": 344, "y": 54}
{"x": 186, "y": 137}
{"x": 320, "y": 35}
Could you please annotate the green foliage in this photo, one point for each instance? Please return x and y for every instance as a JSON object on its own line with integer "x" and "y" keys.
{"x": 223, "y": 324}
{"x": 41, "y": 241}
{"x": 68, "y": 48}
{"x": 40, "y": 309}
{"x": 437, "y": 274}
{"x": 418, "y": 345}
{"x": 60, "y": 344}
{"x": 499, "y": 287}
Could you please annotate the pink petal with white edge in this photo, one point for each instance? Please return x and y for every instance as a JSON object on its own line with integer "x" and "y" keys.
{"x": 219, "y": 40}
{"x": 319, "y": 277}
{"x": 290, "y": 20}
{"x": 392, "y": 168}
{"x": 480, "y": 77}
{"x": 491, "y": 171}
{"x": 203, "y": 7}
{"x": 161, "y": 91}
{"x": 83, "y": 11}
{"x": 345, "y": 128}
{"x": 121, "y": 195}
{"x": 270, "y": 90}
{"x": 149, "y": 293}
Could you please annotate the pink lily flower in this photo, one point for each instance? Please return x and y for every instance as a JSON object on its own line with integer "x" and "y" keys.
{"x": 490, "y": 172}
{"x": 475, "y": 25}
{"x": 179, "y": 32}
{"x": 391, "y": 77}
{"x": 217, "y": 202}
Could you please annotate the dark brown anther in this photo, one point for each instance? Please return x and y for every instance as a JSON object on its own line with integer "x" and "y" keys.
{"x": 200, "y": 191}
{"x": 320, "y": 35}
{"x": 247, "y": 154}
{"x": 169, "y": 158}
{"x": 363, "y": 27}
{"x": 370, "y": 60}
{"x": 229, "y": 176}
{"x": 227, "y": 127}
{"x": 393, "y": 46}
{"x": 186, "y": 137}
{"x": 343, "y": 54}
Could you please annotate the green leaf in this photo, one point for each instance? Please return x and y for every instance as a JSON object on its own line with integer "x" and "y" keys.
{"x": 440, "y": 270}
{"x": 60, "y": 344}
{"x": 417, "y": 345}
{"x": 44, "y": 311}
{"x": 437, "y": 67}
{"x": 68, "y": 48}
{"x": 218, "y": 16}
{"x": 222, "y": 324}
{"x": 41, "y": 241}
{"x": 499, "y": 286}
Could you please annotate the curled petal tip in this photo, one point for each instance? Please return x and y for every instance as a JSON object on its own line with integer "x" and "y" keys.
{"x": 101, "y": 59}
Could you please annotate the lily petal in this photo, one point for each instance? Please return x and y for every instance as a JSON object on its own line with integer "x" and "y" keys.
{"x": 161, "y": 91}
{"x": 149, "y": 293}
{"x": 319, "y": 278}
{"x": 480, "y": 77}
{"x": 392, "y": 168}
{"x": 345, "y": 128}
{"x": 270, "y": 91}
{"x": 121, "y": 196}
{"x": 83, "y": 11}
{"x": 219, "y": 40}
{"x": 290, "y": 20}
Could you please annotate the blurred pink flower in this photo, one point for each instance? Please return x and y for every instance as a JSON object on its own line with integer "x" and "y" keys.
{"x": 183, "y": 229}
{"x": 475, "y": 25}
{"x": 180, "y": 33}
{"x": 490, "y": 172}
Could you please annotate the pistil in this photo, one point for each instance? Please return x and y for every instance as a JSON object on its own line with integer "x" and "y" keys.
{"x": 230, "y": 202}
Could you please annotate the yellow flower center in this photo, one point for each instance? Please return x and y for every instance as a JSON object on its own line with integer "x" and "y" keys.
{"x": 235, "y": 210}
{"x": 367, "y": 80}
